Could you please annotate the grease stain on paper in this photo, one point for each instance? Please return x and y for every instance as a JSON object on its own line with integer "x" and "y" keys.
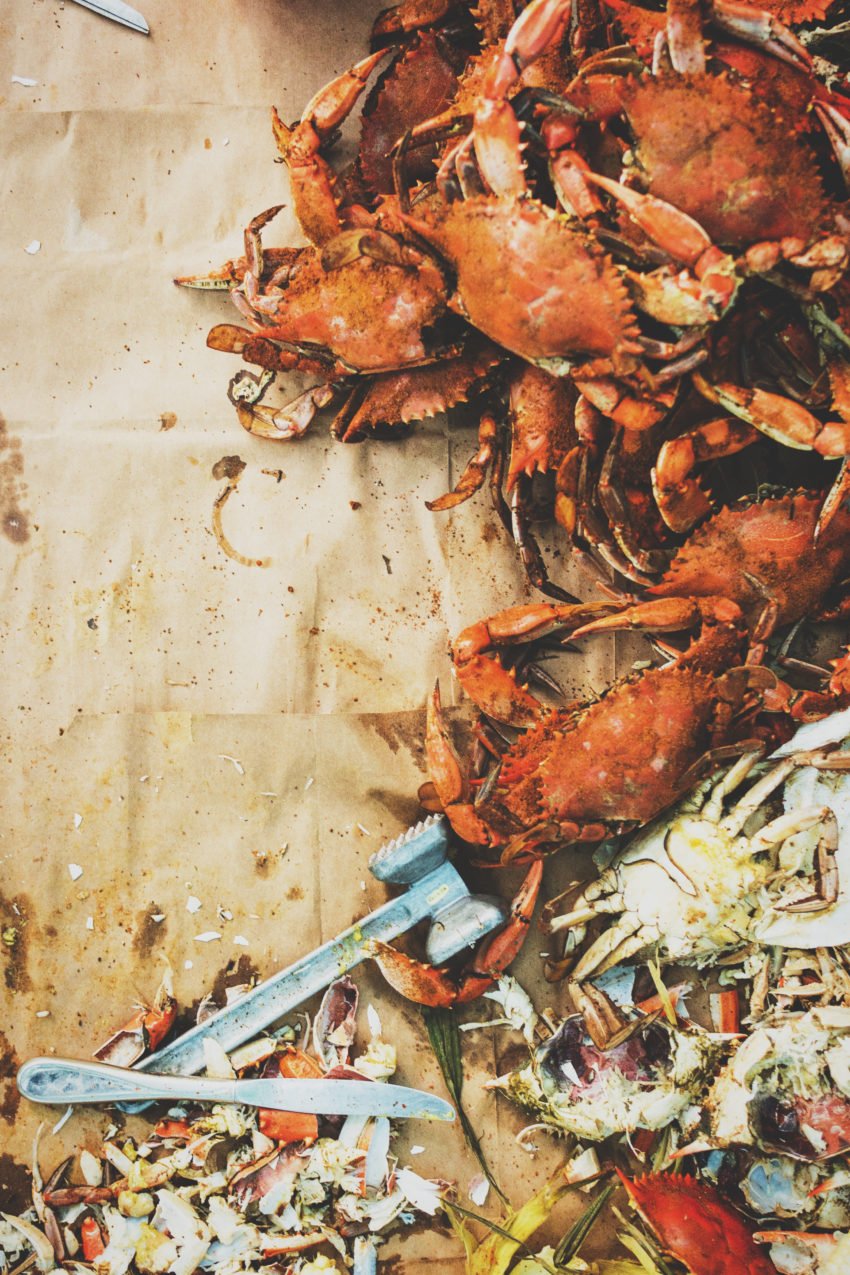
{"x": 14, "y": 521}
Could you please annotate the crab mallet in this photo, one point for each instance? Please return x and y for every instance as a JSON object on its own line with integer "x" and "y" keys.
{"x": 418, "y": 860}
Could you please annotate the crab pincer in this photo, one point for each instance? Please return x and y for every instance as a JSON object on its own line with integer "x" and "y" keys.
{"x": 427, "y": 985}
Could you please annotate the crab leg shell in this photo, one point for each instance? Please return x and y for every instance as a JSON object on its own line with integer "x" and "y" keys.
{"x": 780, "y": 418}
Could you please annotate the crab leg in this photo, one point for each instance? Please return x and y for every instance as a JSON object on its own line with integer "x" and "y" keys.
{"x": 626, "y": 937}
{"x": 426, "y": 985}
{"x": 476, "y": 469}
{"x": 819, "y": 1248}
{"x": 496, "y": 128}
{"x": 300, "y": 147}
{"x": 779, "y": 418}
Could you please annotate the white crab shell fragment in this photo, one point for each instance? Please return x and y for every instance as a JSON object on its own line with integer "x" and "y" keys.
{"x": 695, "y": 882}
{"x": 803, "y": 1060}
{"x": 809, "y": 786}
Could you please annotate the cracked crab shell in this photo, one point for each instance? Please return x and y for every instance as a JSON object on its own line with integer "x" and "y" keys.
{"x": 809, "y": 786}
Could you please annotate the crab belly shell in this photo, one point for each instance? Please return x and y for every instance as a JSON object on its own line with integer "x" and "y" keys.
{"x": 831, "y": 927}
{"x": 369, "y": 314}
{"x": 690, "y": 882}
{"x": 533, "y": 284}
{"x": 625, "y": 757}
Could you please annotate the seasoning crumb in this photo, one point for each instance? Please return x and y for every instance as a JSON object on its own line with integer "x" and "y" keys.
{"x": 309, "y": 783}
{"x": 42, "y": 1013}
{"x": 158, "y": 916}
{"x": 187, "y": 965}
{"x": 89, "y": 922}
{"x": 240, "y": 940}
{"x": 78, "y": 819}
{"x": 225, "y": 914}
{"x": 33, "y": 247}
{"x": 24, "y": 81}
{"x": 193, "y": 904}
{"x": 365, "y": 831}
{"x": 417, "y": 1150}
{"x": 74, "y": 871}
{"x": 208, "y": 936}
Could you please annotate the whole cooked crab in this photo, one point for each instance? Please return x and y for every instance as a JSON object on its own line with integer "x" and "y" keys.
{"x": 692, "y": 885}
{"x": 588, "y": 770}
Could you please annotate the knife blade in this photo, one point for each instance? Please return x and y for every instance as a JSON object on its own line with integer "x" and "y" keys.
{"x": 72, "y": 1080}
{"x": 118, "y": 11}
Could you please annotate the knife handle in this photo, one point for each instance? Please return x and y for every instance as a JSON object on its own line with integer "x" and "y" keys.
{"x": 68, "y": 1080}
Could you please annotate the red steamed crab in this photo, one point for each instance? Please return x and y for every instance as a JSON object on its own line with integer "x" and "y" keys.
{"x": 697, "y": 1226}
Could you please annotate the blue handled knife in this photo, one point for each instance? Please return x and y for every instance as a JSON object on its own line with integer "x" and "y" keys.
{"x": 118, "y": 11}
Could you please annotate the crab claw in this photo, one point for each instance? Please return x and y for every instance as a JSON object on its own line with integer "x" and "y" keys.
{"x": 779, "y": 418}
{"x": 496, "y": 953}
{"x": 760, "y": 27}
{"x": 696, "y": 1225}
{"x": 447, "y": 776}
{"x": 491, "y": 687}
{"x": 674, "y": 231}
{"x": 414, "y": 980}
{"x": 427, "y": 985}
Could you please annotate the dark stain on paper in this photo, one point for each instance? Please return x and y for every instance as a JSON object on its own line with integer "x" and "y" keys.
{"x": 149, "y": 933}
{"x": 14, "y": 521}
{"x": 15, "y": 933}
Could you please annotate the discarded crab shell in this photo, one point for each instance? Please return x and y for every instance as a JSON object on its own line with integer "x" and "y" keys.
{"x": 787, "y": 1088}
{"x": 810, "y": 786}
{"x": 646, "y": 1082}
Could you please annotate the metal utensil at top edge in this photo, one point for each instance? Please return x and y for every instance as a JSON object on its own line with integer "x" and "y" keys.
{"x": 118, "y": 11}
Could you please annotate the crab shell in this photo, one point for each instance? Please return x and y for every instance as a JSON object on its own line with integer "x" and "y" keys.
{"x": 534, "y": 282}
{"x": 707, "y": 146}
{"x": 764, "y": 549}
{"x": 809, "y": 786}
{"x": 787, "y": 1088}
{"x": 421, "y": 83}
{"x": 697, "y": 1226}
{"x": 647, "y": 1082}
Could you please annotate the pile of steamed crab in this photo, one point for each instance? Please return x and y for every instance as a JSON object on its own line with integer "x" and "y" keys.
{"x": 617, "y": 236}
